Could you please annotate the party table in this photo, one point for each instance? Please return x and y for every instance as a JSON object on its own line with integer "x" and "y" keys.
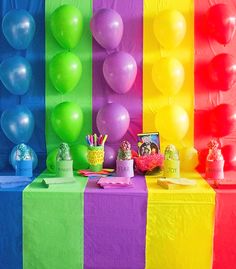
{"x": 80, "y": 225}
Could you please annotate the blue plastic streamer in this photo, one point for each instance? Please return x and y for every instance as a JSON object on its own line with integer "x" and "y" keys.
{"x": 34, "y": 99}
{"x": 11, "y": 197}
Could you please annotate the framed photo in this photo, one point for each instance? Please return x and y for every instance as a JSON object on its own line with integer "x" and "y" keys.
{"x": 148, "y": 143}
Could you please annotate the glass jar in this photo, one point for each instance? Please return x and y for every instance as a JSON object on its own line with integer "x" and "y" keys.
{"x": 215, "y": 164}
{"x": 171, "y": 162}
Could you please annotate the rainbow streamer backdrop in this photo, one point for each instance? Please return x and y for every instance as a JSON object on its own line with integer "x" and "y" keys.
{"x": 63, "y": 227}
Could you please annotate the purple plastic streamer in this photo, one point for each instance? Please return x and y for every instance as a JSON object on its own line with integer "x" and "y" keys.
{"x": 131, "y": 12}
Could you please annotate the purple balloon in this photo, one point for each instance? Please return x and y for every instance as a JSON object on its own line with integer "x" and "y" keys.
{"x": 113, "y": 120}
{"x": 110, "y": 157}
{"x": 107, "y": 28}
{"x": 120, "y": 70}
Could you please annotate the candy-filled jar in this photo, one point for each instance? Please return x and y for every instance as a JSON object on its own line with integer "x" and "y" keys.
{"x": 64, "y": 164}
{"x": 24, "y": 163}
{"x": 124, "y": 162}
{"x": 171, "y": 162}
{"x": 214, "y": 161}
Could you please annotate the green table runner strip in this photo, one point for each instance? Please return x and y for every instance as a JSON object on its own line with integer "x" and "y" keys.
{"x": 82, "y": 94}
{"x": 53, "y": 236}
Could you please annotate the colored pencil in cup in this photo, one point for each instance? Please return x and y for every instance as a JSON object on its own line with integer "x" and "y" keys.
{"x": 104, "y": 139}
{"x": 100, "y": 140}
{"x": 95, "y": 139}
{"x": 87, "y": 138}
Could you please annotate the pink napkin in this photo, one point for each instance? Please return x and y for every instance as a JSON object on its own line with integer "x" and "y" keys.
{"x": 114, "y": 182}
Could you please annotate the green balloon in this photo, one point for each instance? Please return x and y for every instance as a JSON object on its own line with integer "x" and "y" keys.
{"x": 79, "y": 155}
{"x": 67, "y": 120}
{"x": 65, "y": 71}
{"x": 66, "y": 25}
{"x": 51, "y": 161}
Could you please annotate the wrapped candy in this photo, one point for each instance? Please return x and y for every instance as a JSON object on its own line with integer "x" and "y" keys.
{"x": 64, "y": 153}
{"x": 23, "y": 152}
{"x": 214, "y": 151}
{"x": 171, "y": 153}
{"x": 124, "y": 152}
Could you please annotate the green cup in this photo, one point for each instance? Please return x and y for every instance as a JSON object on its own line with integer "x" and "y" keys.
{"x": 64, "y": 168}
{"x": 96, "y": 158}
{"x": 171, "y": 168}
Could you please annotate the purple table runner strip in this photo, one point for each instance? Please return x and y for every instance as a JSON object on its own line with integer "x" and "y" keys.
{"x": 131, "y": 13}
{"x": 115, "y": 226}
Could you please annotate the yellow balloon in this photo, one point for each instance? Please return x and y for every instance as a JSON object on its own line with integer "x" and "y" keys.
{"x": 168, "y": 75}
{"x": 172, "y": 122}
{"x": 169, "y": 28}
{"x": 188, "y": 159}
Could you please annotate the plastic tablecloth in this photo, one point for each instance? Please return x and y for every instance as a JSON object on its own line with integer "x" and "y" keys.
{"x": 11, "y": 228}
{"x": 180, "y": 226}
{"x": 115, "y": 226}
{"x": 53, "y": 225}
{"x": 84, "y": 226}
{"x": 225, "y": 223}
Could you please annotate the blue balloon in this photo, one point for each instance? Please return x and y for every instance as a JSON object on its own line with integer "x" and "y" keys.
{"x": 18, "y": 27}
{"x": 18, "y": 124}
{"x": 16, "y": 73}
{"x": 12, "y": 157}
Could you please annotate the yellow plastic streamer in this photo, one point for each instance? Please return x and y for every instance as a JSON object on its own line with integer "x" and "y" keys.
{"x": 179, "y": 221}
{"x": 153, "y": 52}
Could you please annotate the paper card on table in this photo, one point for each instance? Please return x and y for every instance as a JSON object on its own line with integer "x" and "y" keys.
{"x": 58, "y": 180}
{"x": 13, "y": 181}
{"x": 175, "y": 183}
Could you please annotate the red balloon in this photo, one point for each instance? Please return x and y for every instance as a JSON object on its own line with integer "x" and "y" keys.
{"x": 229, "y": 153}
{"x": 222, "y": 71}
{"x": 222, "y": 120}
{"x": 221, "y": 23}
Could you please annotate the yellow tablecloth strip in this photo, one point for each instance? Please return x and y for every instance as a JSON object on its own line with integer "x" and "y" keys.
{"x": 180, "y": 225}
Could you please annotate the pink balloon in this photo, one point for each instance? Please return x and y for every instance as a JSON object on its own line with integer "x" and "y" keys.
{"x": 113, "y": 120}
{"x": 107, "y": 28}
{"x": 110, "y": 157}
{"x": 120, "y": 70}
